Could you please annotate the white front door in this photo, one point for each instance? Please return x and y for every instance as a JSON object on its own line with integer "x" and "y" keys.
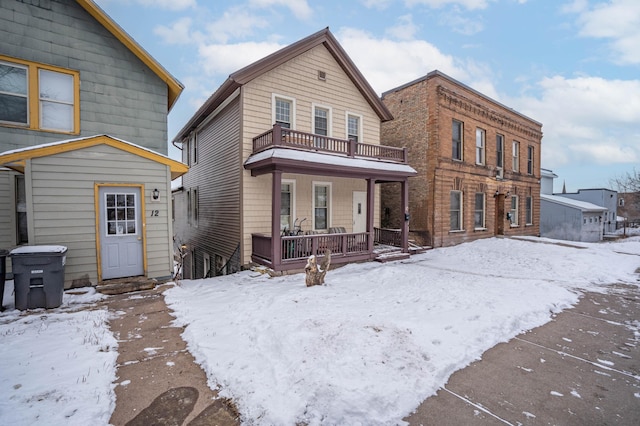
{"x": 359, "y": 211}
{"x": 121, "y": 252}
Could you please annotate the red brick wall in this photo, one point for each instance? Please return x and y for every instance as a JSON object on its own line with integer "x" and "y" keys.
{"x": 423, "y": 114}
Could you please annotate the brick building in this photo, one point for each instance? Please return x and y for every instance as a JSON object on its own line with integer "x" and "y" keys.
{"x": 478, "y": 163}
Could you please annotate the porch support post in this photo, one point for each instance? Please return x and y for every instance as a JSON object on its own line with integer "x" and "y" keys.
{"x": 405, "y": 221}
{"x": 371, "y": 195}
{"x": 276, "y": 239}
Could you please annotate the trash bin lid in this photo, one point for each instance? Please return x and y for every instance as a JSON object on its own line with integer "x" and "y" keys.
{"x": 38, "y": 249}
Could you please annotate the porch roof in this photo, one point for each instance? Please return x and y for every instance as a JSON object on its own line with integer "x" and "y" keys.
{"x": 15, "y": 159}
{"x": 325, "y": 164}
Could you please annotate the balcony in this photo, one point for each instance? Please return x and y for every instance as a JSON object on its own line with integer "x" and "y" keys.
{"x": 279, "y": 137}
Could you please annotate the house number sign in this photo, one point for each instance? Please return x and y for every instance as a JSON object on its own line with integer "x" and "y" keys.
{"x": 155, "y": 213}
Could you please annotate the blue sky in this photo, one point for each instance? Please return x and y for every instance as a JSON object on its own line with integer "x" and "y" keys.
{"x": 572, "y": 65}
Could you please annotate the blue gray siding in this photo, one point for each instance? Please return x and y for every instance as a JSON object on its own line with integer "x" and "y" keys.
{"x": 119, "y": 95}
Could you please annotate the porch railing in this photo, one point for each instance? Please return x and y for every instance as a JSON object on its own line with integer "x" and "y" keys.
{"x": 278, "y": 136}
{"x": 390, "y": 237}
{"x": 299, "y": 247}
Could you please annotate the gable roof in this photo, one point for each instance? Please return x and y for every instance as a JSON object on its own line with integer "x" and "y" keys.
{"x": 174, "y": 86}
{"x": 248, "y": 73}
{"x": 16, "y": 159}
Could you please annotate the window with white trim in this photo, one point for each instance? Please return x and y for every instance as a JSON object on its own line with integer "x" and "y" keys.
{"x": 283, "y": 111}
{"x": 321, "y": 206}
{"x": 287, "y": 203}
{"x": 321, "y": 125}
{"x": 480, "y": 142}
{"x": 456, "y": 139}
{"x": 529, "y": 210}
{"x": 515, "y": 153}
{"x": 353, "y": 127}
{"x": 53, "y": 106}
{"x": 514, "y": 210}
{"x": 455, "y": 210}
{"x": 479, "y": 215}
{"x": 499, "y": 152}
{"x": 530, "y": 153}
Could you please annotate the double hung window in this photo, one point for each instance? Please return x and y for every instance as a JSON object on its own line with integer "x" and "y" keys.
{"x": 455, "y": 210}
{"x": 321, "y": 205}
{"x": 353, "y": 127}
{"x": 284, "y": 112}
{"x": 39, "y": 97}
{"x": 516, "y": 156}
{"x": 480, "y": 148}
{"x": 479, "y": 215}
{"x": 456, "y": 139}
{"x": 514, "y": 210}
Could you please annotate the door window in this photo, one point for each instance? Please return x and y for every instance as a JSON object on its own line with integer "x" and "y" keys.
{"x": 121, "y": 214}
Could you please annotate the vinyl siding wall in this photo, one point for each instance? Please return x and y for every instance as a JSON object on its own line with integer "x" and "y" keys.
{"x": 63, "y": 206}
{"x": 216, "y": 177}
{"x": 298, "y": 79}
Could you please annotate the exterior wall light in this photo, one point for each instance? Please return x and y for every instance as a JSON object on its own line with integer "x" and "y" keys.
{"x": 156, "y": 194}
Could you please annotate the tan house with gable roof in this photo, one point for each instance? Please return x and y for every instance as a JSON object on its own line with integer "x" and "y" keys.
{"x": 285, "y": 158}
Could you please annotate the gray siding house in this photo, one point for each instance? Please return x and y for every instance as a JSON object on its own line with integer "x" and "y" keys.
{"x": 565, "y": 218}
{"x": 603, "y": 197}
{"x": 83, "y": 141}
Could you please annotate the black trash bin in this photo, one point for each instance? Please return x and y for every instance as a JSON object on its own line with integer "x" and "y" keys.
{"x": 3, "y": 274}
{"x": 38, "y": 276}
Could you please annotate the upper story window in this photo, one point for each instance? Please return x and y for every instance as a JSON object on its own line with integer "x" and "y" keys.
{"x": 499, "y": 151}
{"x": 480, "y": 142}
{"x": 530, "y": 160}
{"x": 321, "y": 121}
{"x": 284, "y": 111}
{"x": 621, "y": 202}
{"x": 353, "y": 127}
{"x": 193, "y": 148}
{"x": 39, "y": 97}
{"x": 456, "y": 139}
{"x": 516, "y": 156}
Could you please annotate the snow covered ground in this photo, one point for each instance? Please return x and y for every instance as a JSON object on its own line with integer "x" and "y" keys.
{"x": 57, "y": 366}
{"x": 366, "y": 348}
{"x": 378, "y": 339}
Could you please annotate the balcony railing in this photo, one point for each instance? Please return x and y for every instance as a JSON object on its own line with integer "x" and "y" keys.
{"x": 281, "y": 137}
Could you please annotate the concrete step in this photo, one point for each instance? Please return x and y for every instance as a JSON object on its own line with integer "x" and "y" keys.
{"x": 125, "y": 285}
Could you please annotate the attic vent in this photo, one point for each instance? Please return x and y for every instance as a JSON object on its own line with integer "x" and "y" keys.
{"x": 322, "y": 76}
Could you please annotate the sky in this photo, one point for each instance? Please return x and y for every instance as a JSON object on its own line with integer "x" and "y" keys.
{"x": 365, "y": 348}
{"x": 572, "y": 65}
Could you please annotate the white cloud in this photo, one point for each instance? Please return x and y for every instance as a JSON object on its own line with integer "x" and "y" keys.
{"x": 460, "y": 24}
{"x": 299, "y": 8}
{"x": 468, "y": 4}
{"x": 223, "y": 59}
{"x": 169, "y": 4}
{"x": 376, "y": 4}
{"x": 178, "y": 32}
{"x": 617, "y": 21}
{"x": 236, "y": 22}
{"x": 406, "y": 60}
{"x": 586, "y": 120}
{"x": 405, "y": 29}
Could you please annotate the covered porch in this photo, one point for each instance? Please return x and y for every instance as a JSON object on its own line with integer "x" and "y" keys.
{"x": 282, "y": 151}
